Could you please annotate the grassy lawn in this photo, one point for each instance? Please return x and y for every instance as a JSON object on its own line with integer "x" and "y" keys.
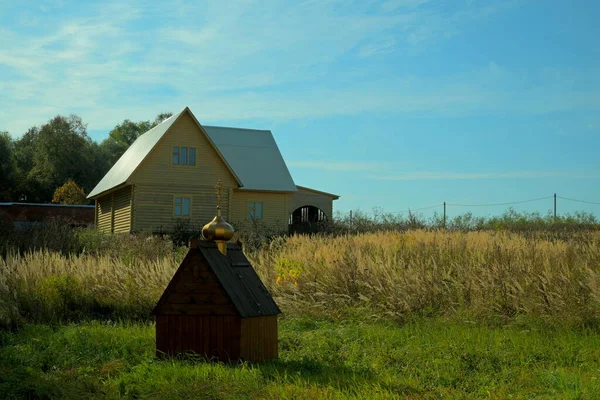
{"x": 427, "y": 358}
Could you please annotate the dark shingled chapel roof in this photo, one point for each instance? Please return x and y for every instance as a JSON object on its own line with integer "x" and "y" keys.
{"x": 237, "y": 277}
{"x": 248, "y": 294}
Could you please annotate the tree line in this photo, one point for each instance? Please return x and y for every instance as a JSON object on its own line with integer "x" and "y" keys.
{"x": 60, "y": 152}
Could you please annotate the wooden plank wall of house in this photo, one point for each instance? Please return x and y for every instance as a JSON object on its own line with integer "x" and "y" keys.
{"x": 113, "y": 211}
{"x": 157, "y": 180}
{"x": 307, "y": 197}
{"x": 274, "y": 208}
{"x": 154, "y": 206}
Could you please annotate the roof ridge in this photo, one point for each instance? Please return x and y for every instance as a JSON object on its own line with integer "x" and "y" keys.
{"x": 233, "y": 127}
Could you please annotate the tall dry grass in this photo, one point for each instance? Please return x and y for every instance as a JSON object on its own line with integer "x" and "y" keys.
{"x": 487, "y": 274}
{"x": 382, "y": 275}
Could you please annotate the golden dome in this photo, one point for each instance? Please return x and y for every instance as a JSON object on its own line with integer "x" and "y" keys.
{"x": 218, "y": 229}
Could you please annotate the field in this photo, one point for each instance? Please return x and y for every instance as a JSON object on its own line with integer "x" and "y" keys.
{"x": 417, "y": 314}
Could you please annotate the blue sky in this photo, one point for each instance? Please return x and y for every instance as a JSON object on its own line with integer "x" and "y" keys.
{"x": 391, "y": 104}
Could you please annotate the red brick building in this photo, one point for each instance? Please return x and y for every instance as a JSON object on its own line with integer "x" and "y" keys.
{"x": 24, "y": 214}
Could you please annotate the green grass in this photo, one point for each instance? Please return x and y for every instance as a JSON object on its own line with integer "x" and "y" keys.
{"x": 426, "y": 358}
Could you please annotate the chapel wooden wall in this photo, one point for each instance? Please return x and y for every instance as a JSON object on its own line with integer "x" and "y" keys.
{"x": 259, "y": 338}
{"x": 209, "y": 336}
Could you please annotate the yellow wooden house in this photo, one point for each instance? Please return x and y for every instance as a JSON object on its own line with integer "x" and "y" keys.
{"x": 169, "y": 173}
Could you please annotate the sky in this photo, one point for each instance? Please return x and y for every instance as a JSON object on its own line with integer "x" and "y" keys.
{"x": 393, "y": 105}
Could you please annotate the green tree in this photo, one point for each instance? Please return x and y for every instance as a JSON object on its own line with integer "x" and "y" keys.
{"x": 161, "y": 117}
{"x": 8, "y": 168}
{"x": 121, "y": 137}
{"x": 69, "y": 193}
{"x": 124, "y": 134}
{"x": 49, "y": 155}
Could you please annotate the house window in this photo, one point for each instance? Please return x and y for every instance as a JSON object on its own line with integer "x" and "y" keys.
{"x": 255, "y": 210}
{"x": 181, "y": 206}
{"x": 184, "y": 156}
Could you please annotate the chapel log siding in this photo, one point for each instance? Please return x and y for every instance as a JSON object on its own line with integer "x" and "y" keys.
{"x": 154, "y": 206}
{"x": 113, "y": 211}
{"x": 208, "y": 336}
{"x": 275, "y": 206}
{"x": 196, "y": 290}
{"x": 304, "y": 197}
{"x": 259, "y": 338}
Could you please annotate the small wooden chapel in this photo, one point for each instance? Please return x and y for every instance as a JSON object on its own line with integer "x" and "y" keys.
{"x": 216, "y": 305}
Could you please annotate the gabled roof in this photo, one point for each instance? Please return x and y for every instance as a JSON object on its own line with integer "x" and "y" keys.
{"x": 237, "y": 277}
{"x": 254, "y": 156}
{"x": 251, "y": 155}
{"x": 133, "y": 157}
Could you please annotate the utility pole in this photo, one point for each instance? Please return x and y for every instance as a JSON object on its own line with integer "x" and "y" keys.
{"x": 554, "y": 205}
{"x": 444, "y": 214}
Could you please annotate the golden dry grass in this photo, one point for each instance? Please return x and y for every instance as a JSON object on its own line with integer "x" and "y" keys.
{"x": 384, "y": 275}
{"x": 432, "y": 273}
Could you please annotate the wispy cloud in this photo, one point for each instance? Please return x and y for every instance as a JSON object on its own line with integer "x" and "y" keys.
{"x": 347, "y": 166}
{"x": 412, "y": 176}
{"x": 373, "y": 49}
{"x": 247, "y": 60}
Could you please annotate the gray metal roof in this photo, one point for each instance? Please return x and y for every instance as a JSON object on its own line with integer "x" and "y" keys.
{"x": 252, "y": 155}
{"x": 135, "y": 154}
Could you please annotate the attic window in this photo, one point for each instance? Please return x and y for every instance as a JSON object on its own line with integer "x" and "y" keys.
{"x": 184, "y": 156}
{"x": 255, "y": 210}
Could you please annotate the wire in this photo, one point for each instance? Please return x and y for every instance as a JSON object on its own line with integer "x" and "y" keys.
{"x": 579, "y": 201}
{"x": 399, "y": 212}
{"x": 498, "y": 204}
{"x": 485, "y": 205}
{"x": 419, "y": 209}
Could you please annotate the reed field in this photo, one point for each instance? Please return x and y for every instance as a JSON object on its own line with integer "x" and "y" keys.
{"x": 495, "y": 276}
{"x": 417, "y": 313}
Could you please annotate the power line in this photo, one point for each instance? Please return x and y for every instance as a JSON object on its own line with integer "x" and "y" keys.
{"x": 424, "y": 208}
{"x": 579, "y": 201}
{"x": 483, "y": 205}
{"x": 499, "y": 204}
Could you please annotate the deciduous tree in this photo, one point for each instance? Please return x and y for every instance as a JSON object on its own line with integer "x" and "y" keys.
{"x": 69, "y": 193}
{"x": 8, "y": 168}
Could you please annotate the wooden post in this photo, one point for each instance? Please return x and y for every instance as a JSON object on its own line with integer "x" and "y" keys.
{"x": 444, "y": 214}
{"x": 554, "y": 205}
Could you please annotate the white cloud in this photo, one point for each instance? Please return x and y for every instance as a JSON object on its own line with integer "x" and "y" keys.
{"x": 373, "y": 49}
{"x": 245, "y": 60}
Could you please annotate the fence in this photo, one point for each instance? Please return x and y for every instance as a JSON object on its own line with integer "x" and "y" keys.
{"x": 444, "y": 206}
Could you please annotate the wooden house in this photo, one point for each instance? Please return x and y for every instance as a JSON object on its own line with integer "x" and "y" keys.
{"x": 216, "y": 305}
{"x": 167, "y": 176}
